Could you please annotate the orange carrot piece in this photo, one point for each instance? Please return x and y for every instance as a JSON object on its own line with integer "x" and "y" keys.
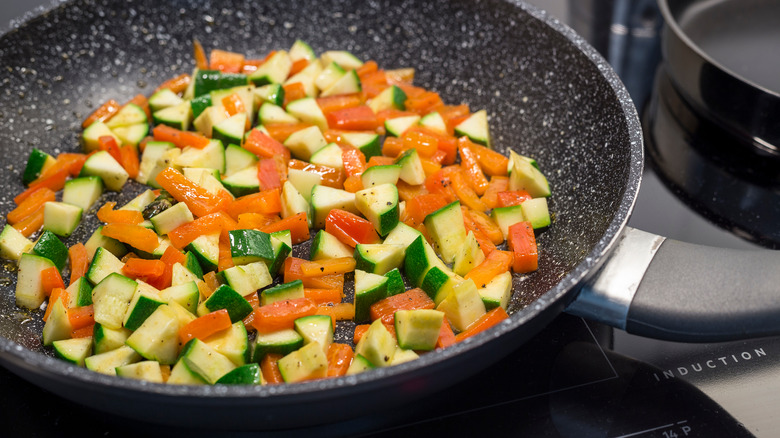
{"x": 497, "y": 262}
{"x": 51, "y": 279}
{"x": 409, "y": 300}
{"x": 30, "y": 224}
{"x": 282, "y": 314}
{"x": 103, "y": 112}
{"x": 483, "y": 323}
{"x": 179, "y": 138}
{"x": 107, "y": 214}
{"x": 205, "y": 326}
{"x": 138, "y": 268}
{"x": 79, "y": 261}
{"x": 178, "y": 84}
{"x": 201, "y": 62}
{"x": 33, "y": 203}
{"x": 56, "y": 294}
{"x": 337, "y": 312}
{"x": 339, "y": 358}
{"x": 199, "y": 200}
{"x": 297, "y": 224}
{"x": 270, "y": 368}
{"x": 136, "y": 236}
{"x": 323, "y": 296}
{"x": 81, "y": 317}
{"x": 340, "y": 265}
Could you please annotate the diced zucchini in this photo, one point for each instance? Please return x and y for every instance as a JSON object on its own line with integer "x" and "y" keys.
{"x": 270, "y": 114}
{"x": 293, "y": 202}
{"x": 177, "y": 116}
{"x": 103, "y": 264}
{"x": 402, "y": 355}
{"x": 154, "y": 160}
{"x": 369, "y": 288}
{"x": 324, "y": 199}
{"x": 206, "y": 250}
{"x": 107, "y": 362}
{"x": 61, "y": 218}
{"x": 82, "y": 192}
{"x": 249, "y": 246}
{"x": 248, "y": 374}
{"x": 198, "y": 105}
{"x": 378, "y": 258}
{"x": 342, "y": 58}
{"x": 111, "y": 299}
{"x": 181, "y": 375}
{"x": 367, "y": 143}
{"x": 13, "y": 243}
{"x": 378, "y": 175}
{"x": 463, "y": 306}
{"x": 98, "y": 240}
{"x": 37, "y": 162}
{"x": 206, "y": 178}
{"x": 505, "y": 217}
{"x": 309, "y": 362}
{"x": 418, "y": 329}
{"x": 307, "y": 110}
{"x": 349, "y": 83}
{"x": 316, "y": 328}
{"x": 230, "y": 130}
{"x": 73, "y": 350}
{"x": 212, "y": 157}
{"x": 274, "y": 71}
{"x": 307, "y": 78}
{"x": 141, "y": 306}
{"x": 187, "y": 295}
{"x": 225, "y": 297}
{"x": 327, "y": 246}
{"x": 171, "y": 218}
{"x": 402, "y": 235}
{"x": 359, "y": 364}
{"x": 238, "y": 158}
{"x": 439, "y": 282}
{"x": 301, "y": 50}
{"x": 247, "y": 279}
{"x": 209, "y": 118}
{"x": 79, "y": 293}
{"x": 447, "y": 230}
{"x": 397, "y": 126}
{"x": 281, "y": 342}
{"x": 419, "y": 259}
{"x": 392, "y": 97}
{"x": 379, "y": 204}
{"x": 475, "y": 128}
{"x": 205, "y": 361}
{"x": 51, "y": 247}
{"x": 132, "y": 134}
{"x": 243, "y": 182}
{"x": 281, "y": 242}
{"x": 434, "y": 122}
{"x": 468, "y": 256}
{"x": 244, "y": 93}
{"x": 395, "y": 282}
{"x": 158, "y": 337}
{"x": 377, "y": 345}
{"x": 497, "y": 292}
{"x": 303, "y": 182}
{"x": 130, "y": 114}
{"x": 233, "y": 343}
{"x": 328, "y": 155}
{"x": 102, "y": 164}
{"x": 58, "y": 325}
{"x": 305, "y": 142}
{"x": 105, "y": 339}
{"x": 286, "y": 291}
{"x": 147, "y": 370}
{"x": 411, "y": 167}
{"x": 535, "y": 211}
{"x": 164, "y": 99}
{"x": 331, "y": 73}
{"x": 524, "y": 176}
{"x": 271, "y": 93}
{"x": 90, "y": 136}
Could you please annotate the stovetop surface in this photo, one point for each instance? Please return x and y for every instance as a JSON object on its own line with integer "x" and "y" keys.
{"x": 575, "y": 379}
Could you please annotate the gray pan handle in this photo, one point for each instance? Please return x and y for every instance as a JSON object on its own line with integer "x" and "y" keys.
{"x": 665, "y": 289}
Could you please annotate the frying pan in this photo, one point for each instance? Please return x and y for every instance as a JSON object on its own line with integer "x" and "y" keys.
{"x": 548, "y": 93}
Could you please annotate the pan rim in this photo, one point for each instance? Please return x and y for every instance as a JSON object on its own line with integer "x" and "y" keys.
{"x": 46, "y": 366}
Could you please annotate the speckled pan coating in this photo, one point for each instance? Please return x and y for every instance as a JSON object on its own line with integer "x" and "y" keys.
{"x": 549, "y": 95}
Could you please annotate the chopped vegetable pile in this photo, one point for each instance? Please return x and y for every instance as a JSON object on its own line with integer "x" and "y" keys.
{"x": 194, "y": 281}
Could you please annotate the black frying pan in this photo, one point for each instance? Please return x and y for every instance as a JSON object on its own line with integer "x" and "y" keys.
{"x": 549, "y": 95}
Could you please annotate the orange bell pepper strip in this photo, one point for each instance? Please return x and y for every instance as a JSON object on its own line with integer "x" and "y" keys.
{"x": 409, "y": 300}
{"x": 522, "y": 243}
{"x": 256, "y": 221}
{"x": 254, "y": 300}
{"x": 425, "y": 103}
{"x": 479, "y": 221}
{"x": 497, "y": 262}
{"x": 282, "y": 314}
{"x": 449, "y": 113}
{"x": 331, "y": 176}
{"x": 33, "y": 203}
{"x": 372, "y": 83}
{"x": 84, "y": 332}
{"x": 170, "y": 257}
{"x": 421, "y": 206}
{"x": 103, "y": 112}
{"x": 54, "y": 181}
{"x": 130, "y": 160}
{"x": 226, "y": 62}
{"x": 492, "y": 162}
{"x": 233, "y": 104}
{"x": 368, "y": 67}
{"x": 56, "y": 294}
{"x": 179, "y": 138}
{"x": 360, "y": 330}
{"x": 205, "y": 326}
{"x": 138, "y": 268}
{"x": 379, "y": 161}
{"x": 178, "y": 84}
{"x": 268, "y": 174}
{"x": 225, "y": 256}
{"x": 298, "y": 65}
{"x": 350, "y": 228}
{"x": 440, "y": 183}
{"x": 136, "y": 236}
{"x": 264, "y": 146}
{"x": 108, "y": 215}
{"x": 359, "y": 118}
{"x": 462, "y": 190}
{"x": 51, "y": 279}
{"x": 79, "y": 261}
{"x": 510, "y": 198}
{"x": 354, "y": 161}
{"x": 270, "y": 368}
{"x": 108, "y": 143}
{"x": 292, "y": 92}
{"x": 338, "y": 102}
{"x": 353, "y": 184}
{"x": 425, "y": 144}
{"x": 292, "y": 272}
{"x": 496, "y": 185}
{"x": 30, "y": 224}
{"x": 212, "y": 282}
{"x": 81, "y": 317}
{"x": 201, "y": 62}
{"x": 297, "y": 224}
{"x": 446, "y": 335}
{"x": 406, "y": 191}
{"x": 267, "y": 202}
{"x": 339, "y": 358}
{"x": 323, "y": 296}
{"x": 182, "y": 235}
{"x": 198, "y": 199}
{"x": 483, "y": 323}
{"x": 340, "y": 265}
{"x": 280, "y": 131}
{"x": 470, "y": 165}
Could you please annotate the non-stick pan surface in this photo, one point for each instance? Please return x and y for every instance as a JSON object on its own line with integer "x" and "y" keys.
{"x": 549, "y": 95}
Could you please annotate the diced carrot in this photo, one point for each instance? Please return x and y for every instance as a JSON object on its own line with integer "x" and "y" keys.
{"x": 141, "y": 101}
{"x": 511, "y": 198}
{"x": 136, "y": 236}
{"x": 496, "y": 185}
{"x": 199, "y": 200}
{"x": 522, "y": 243}
{"x": 331, "y": 176}
{"x": 84, "y": 332}
{"x": 483, "y": 323}
{"x": 103, "y": 112}
{"x": 260, "y": 144}
{"x": 205, "y": 326}
{"x": 33, "y": 203}
{"x": 353, "y": 184}
{"x": 51, "y": 279}
{"x": 360, "y": 330}
{"x": 292, "y": 92}
{"x": 130, "y": 160}
{"x": 201, "y": 62}
{"x": 339, "y": 358}
{"x": 233, "y": 104}
{"x": 227, "y": 62}
{"x": 292, "y": 272}
{"x": 297, "y": 66}
{"x": 282, "y": 314}
{"x": 497, "y": 262}
{"x": 270, "y": 368}
{"x": 492, "y": 162}
{"x": 446, "y": 335}
{"x": 137, "y": 268}
{"x": 178, "y": 84}
{"x": 179, "y": 138}
{"x": 338, "y": 102}
{"x": 256, "y": 221}
{"x": 30, "y": 224}
{"x": 323, "y": 296}
{"x": 350, "y": 228}
{"x": 297, "y": 224}
{"x": 409, "y": 300}
{"x": 280, "y": 132}
{"x": 470, "y": 165}
{"x": 79, "y": 261}
{"x": 81, "y": 317}
{"x": 419, "y": 207}
{"x": 107, "y": 214}
{"x": 267, "y": 202}
{"x": 359, "y": 118}
{"x": 56, "y": 294}
{"x": 354, "y": 161}
{"x": 340, "y": 265}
